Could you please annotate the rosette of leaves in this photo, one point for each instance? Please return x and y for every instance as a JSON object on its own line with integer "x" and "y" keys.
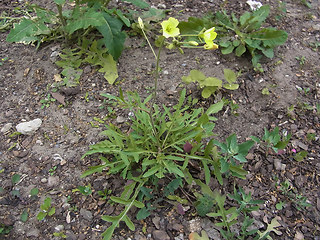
{"x": 210, "y": 85}
{"x": 247, "y": 33}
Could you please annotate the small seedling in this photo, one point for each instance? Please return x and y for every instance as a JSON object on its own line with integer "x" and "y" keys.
{"x": 280, "y": 205}
{"x": 60, "y": 234}
{"x": 3, "y": 60}
{"x": 52, "y": 170}
{"x": 302, "y": 60}
{"x": 46, "y": 209}
{"x": 24, "y": 216}
{"x": 104, "y": 193}
{"x": 47, "y": 101}
{"x": 85, "y": 190}
{"x": 34, "y": 192}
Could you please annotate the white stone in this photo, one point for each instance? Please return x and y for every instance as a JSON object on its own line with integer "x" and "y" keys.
{"x": 6, "y": 127}
{"x": 29, "y": 128}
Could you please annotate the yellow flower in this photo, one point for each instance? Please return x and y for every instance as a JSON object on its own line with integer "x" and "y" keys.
{"x": 210, "y": 46}
{"x": 208, "y": 36}
{"x": 169, "y": 28}
{"x": 141, "y": 23}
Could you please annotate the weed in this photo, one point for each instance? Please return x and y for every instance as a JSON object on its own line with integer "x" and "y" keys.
{"x": 47, "y": 101}
{"x": 292, "y": 195}
{"x": 52, "y": 170}
{"x": 273, "y": 140}
{"x": 85, "y": 190}
{"x": 301, "y": 60}
{"x": 3, "y": 60}
{"x": 306, "y": 3}
{"x": 210, "y": 85}
{"x": 46, "y": 209}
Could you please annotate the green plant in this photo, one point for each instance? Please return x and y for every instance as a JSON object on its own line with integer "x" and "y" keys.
{"x": 47, "y": 101}
{"x": 46, "y": 209}
{"x": 161, "y": 141}
{"x": 52, "y": 170}
{"x": 292, "y": 195}
{"x": 302, "y": 60}
{"x": 306, "y": 3}
{"x": 231, "y": 216}
{"x": 273, "y": 140}
{"x": 210, "y": 85}
{"x": 247, "y": 34}
{"x": 86, "y": 22}
{"x": 85, "y": 190}
{"x": 4, "y": 230}
{"x": 230, "y": 103}
{"x": 2, "y": 60}
{"x": 232, "y": 158}
{"x": 59, "y": 234}
{"x": 104, "y": 193}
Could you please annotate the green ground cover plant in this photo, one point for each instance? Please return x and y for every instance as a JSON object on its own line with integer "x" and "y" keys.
{"x": 91, "y": 31}
{"x": 162, "y": 142}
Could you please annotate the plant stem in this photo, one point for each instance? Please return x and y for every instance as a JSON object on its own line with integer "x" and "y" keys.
{"x": 62, "y": 19}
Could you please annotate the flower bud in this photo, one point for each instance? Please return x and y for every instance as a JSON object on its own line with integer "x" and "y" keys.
{"x": 140, "y": 23}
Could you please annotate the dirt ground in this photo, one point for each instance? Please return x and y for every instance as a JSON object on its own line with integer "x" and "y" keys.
{"x": 50, "y": 159}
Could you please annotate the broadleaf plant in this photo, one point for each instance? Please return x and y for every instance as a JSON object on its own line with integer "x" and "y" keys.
{"x": 247, "y": 33}
{"x": 210, "y": 85}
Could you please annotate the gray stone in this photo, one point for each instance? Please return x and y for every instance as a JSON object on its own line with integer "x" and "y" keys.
{"x": 29, "y": 128}
{"x": 33, "y": 232}
{"x": 53, "y": 181}
{"x": 59, "y": 228}
{"x": 86, "y": 214}
{"x": 278, "y": 165}
{"x": 160, "y": 235}
{"x": 120, "y": 119}
{"x": 6, "y": 127}
{"x": 209, "y": 228}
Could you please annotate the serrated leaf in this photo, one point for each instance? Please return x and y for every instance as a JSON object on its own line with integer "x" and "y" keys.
{"x": 172, "y": 186}
{"x": 114, "y": 38}
{"x": 300, "y": 156}
{"x": 143, "y": 213}
{"x": 23, "y": 32}
{"x": 83, "y": 19}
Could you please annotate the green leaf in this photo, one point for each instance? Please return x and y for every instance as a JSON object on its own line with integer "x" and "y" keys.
{"x": 24, "y": 216}
{"x": 206, "y": 92}
{"x": 214, "y": 108}
{"x": 227, "y": 50}
{"x": 300, "y": 156}
{"x": 230, "y": 86}
{"x": 52, "y": 211}
{"x": 114, "y": 38}
{"x": 229, "y": 75}
{"x": 15, "y": 178}
{"x": 41, "y": 215}
{"x": 129, "y": 223}
{"x": 34, "y": 191}
{"x": 268, "y": 52}
{"x": 143, "y": 213}
{"x": 46, "y": 204}
{"x": 23, "y": 32}
{"x": 59, "y": 2}
{"x": 110, "y": 218}
{"x": 212, "y": 82}
{"x": 271, "y": 37}
{"x": 152, "y": 171}
{"x": 195, "y": 236}
{"x": 172, "y": 186}
{"x": 241, "y": 49}
{"x": 84, "y": 19}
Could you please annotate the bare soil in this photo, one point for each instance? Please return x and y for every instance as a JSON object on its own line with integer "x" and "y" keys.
{"x": 50, "y": 159}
